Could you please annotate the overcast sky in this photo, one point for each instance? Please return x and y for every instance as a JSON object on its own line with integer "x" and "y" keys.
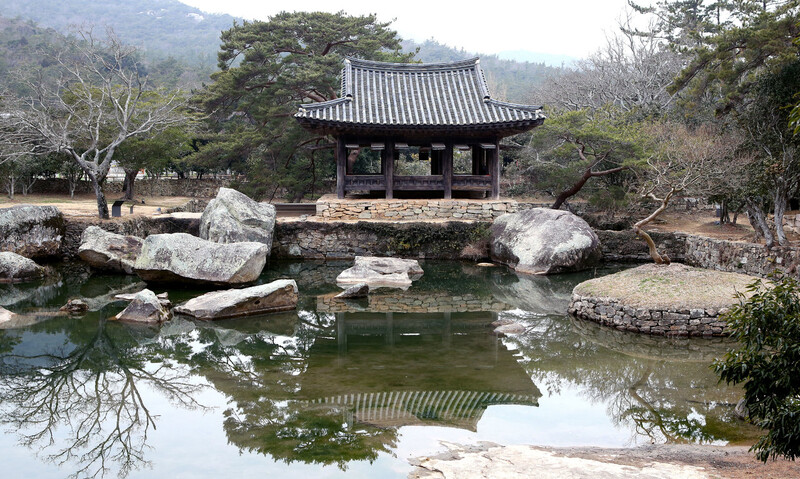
{"x": 568, "y": 27}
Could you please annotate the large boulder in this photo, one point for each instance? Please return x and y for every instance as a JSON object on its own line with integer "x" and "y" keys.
{"x": 544, "y": 241}
{"x": 377, "y": 271}
{"x": 145, "y": 308}
{"x": 17, "y": 269}
{"x": 280, "y": 295}
{"x": 32, "y": 231}
{"x": 109, "y": 251}
{"x": 232, "y": 217}
{"x": 180, "y": 257}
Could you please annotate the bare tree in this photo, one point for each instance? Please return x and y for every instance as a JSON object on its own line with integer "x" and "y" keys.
{"x": 100, "y": 99}
{"x": 632, "y": 71}
{"x": 685, "y": 161}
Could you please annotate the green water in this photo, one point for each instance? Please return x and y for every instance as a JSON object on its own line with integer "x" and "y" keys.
{"x": 334, "y": 388}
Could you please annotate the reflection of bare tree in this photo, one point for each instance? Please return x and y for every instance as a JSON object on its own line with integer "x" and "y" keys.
{"x": 83, "y": 403}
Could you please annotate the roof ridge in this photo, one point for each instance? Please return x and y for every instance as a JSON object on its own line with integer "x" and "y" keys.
{"x": 376, "y": 65}
{"x": 520, "y": 106}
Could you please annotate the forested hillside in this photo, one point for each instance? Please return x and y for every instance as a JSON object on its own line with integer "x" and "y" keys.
{"x": 162, "y": 28}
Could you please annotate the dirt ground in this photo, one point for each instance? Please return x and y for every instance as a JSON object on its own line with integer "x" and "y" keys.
{"x": 86, "y": 205}
{"x": 705, "y": 223}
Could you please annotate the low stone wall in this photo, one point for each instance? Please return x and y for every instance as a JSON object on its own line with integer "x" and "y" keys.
{"x": 313, "y": 239}
{"x": 206, "y": 188}
{"x": 330, "y": 207}
{"x": 669, "y": 322}
{"x": 411, "y": 303}
{"x": 748, "y": 258}
{"x": 721, "y": 255}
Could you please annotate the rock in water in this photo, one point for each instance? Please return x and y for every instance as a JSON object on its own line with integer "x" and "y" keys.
{"x": 232, "y": 217}
{"x": 280, "y": 295}
{"x": 145, "y": 308}
{"x": 544, "y": 241}
{"x": 75, "y": 307}
{"x": 180, "y": 257}
{"x": 32, "y": 231}
{"x": 110, "y": 251}
{"x": 16, "y": 269}
{"x": 360, "y": 290}
{"x": 377, "y": 271}
{"x": 6, "y": 316}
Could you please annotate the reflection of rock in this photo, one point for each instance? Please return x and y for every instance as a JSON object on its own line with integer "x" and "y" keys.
{"x": 75, "y": 307}
{"x": 5, "y": 315}
{"x": 232, "y": 217}
{"x": 32, "y": 231}
{"x": 535, "y": 294}
{"x": 110, "y": 251}
{"x": 162, "y": 297}
{"x": 280, "y": 295}
{"x": 544, "y": 241}
{"x": 145, "y": 308}
{"x": 17, "y": 269}
{"x": 510, "y": 328}
{"x": 377, "y": 271}
{"x": 181, "y": 257}
{"x": 360, "y": 290}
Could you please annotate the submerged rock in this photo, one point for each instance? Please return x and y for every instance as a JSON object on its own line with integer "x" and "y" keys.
{"x": 180, "y": 257}
{"x": 280, "y": 295}
{"x": 163, "y": 298}
{"x": 16, "y": 269}
{"x": 233, "y": 217}
{"x": 6, "y": 316}
{"x": 32, "y": 231}
{"x": 360, "y": 290}
{"x": 544, "y": 241}
{"x": 145, "y": 308}
{"x": 109, "y": 251}
{"x": 378, "y": 271}
{"x": 75, "y": 307}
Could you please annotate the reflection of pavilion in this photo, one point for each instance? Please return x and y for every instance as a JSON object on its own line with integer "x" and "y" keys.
{"x": 394, "y": 369}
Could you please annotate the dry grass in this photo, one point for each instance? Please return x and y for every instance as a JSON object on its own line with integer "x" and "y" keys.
{"x": 86, "y": 205}
{"x": 664, "y": 287}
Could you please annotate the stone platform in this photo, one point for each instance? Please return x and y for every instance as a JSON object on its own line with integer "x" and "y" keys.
{"x": 333, "y": 208}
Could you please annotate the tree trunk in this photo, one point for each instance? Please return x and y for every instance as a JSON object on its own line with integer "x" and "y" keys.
{"x": 127, "y": 185}
{"x": 640, "y": 232}
{"x": 72, "y": 184}
{"x": 779, "y": 210}
{"x": 572, "y": 190}
{"x": 756, "y": 216}
{"x": 11, "y": 185}
{"x": 102, "y": 205}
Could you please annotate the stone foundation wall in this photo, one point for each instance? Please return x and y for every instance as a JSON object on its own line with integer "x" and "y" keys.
{"x": 312, "y": 239}
{"x": 669, "y": 322}
{"x": 330, "y": 207}
{"x": 625, "y": 246}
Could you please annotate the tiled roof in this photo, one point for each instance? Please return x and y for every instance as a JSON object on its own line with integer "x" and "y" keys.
{"x": 416, "y": 95}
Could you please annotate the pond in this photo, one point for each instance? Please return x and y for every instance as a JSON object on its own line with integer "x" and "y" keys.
{"x": 339, "y": 388}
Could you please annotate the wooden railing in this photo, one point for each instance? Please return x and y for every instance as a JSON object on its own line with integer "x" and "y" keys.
{"x": 418, "y": 183}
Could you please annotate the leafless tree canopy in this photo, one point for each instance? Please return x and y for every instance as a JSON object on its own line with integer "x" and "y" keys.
{"x": 99, "y": 99}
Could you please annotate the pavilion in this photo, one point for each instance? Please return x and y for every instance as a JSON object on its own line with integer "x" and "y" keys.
{"x": 431, "y": 112}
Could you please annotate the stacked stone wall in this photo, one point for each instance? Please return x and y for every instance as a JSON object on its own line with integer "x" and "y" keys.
{"x": 667, "y": 322}
{"x": 332, "y": 208}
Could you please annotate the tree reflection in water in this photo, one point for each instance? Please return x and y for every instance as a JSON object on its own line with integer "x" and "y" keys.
{"x": 77, "y": 393}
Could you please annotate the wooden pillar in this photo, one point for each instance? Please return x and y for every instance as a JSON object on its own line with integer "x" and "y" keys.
{"x": 477, "y": 153}
{"x": 447, "y": 170}
{"x": 494, "y": 170}
{"x": 388, "y": 170}
{"x": 341, "y": 166}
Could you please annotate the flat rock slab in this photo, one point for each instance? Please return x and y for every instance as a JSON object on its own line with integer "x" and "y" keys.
{"x": 280, "y": 295}
{"x": 109, "y": 251}
{"x": 16, "y": 269}
{"x": 491, "y": 462}
{"x": 381, "y": 272}
{"x": 181, "y": 257}
{"x": 32, "y": 231}
{"x": 544, "y": 241}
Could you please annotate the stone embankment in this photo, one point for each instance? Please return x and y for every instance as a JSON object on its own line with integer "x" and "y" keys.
{"x": 675, "y": 300}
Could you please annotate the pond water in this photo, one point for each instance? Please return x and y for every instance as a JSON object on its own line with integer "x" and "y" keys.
{"x": 338, "y": 388}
